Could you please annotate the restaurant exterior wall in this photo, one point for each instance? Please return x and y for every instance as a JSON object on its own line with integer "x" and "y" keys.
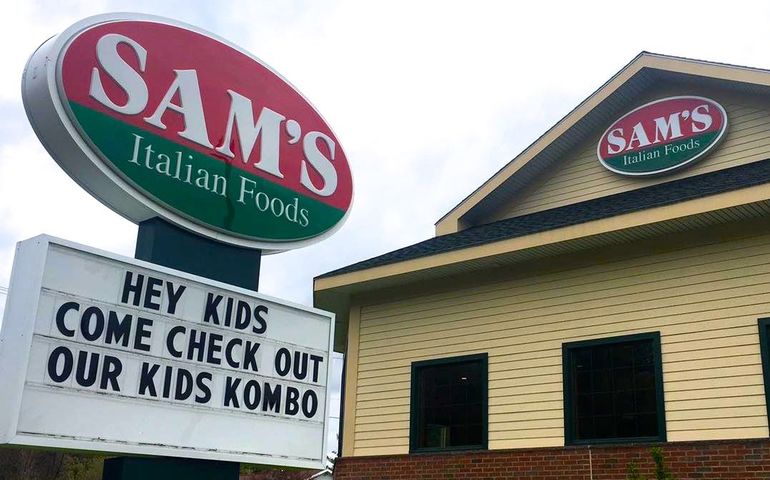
{"x": 703, "y": 291}
{"x": 723, "y": 460}
{"x": 579, "y": 177}
{"x": 566, "y": 255}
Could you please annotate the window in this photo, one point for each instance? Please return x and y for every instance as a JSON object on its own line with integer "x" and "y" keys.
{"x": 613, "y": 390}
{"x": 449, "y": 404}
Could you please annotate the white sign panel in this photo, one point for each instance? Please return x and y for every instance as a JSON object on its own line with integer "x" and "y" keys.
{"x": 101, "y": 352}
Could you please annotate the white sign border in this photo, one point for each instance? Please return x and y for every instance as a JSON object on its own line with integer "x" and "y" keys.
{"x": 22, "y": 301}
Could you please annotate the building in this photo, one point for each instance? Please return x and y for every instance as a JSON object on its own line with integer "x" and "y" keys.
{"x": 565, "y": 318}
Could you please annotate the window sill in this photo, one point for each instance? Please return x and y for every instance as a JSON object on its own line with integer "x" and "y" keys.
{"x": 433, "y": 451}
{"x": 615, "y": 441}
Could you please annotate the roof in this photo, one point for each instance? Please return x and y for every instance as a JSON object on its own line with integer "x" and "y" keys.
{"x": 594, "y": 112}
{"x": 627, "y": 202}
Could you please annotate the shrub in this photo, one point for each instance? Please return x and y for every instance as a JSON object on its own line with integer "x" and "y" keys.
{"x": 661, "y": 471}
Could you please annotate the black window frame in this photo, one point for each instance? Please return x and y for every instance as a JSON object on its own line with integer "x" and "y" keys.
{"x": 569, "y": 420}
{"x": 764, "y": 350}
{"x": 414, "y": 410}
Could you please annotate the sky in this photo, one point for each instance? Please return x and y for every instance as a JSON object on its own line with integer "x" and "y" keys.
{"x": 428, "y": 99}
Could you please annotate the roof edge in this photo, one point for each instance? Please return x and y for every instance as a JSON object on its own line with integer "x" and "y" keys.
{"x": 643, "y": 60}
{"x": 691, "y": 195}
{"x": 576, "y": 107}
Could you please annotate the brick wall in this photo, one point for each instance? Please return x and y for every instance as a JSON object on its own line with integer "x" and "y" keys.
{"x": 722, "y": 460}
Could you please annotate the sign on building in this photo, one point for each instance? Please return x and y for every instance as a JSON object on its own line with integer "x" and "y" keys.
{"x": 107, "y": 353}
{"x": 662, "y": 136}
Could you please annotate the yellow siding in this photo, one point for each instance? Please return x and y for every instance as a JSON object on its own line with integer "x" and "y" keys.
{"x": 705, "y": 301}
{"x": 580, "y": 177}
{"x": 351, "y": 385}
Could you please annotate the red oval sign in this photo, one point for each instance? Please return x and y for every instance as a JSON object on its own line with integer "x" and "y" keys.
{"x": 662, "y": 136}
{"x": 194, "y": 129}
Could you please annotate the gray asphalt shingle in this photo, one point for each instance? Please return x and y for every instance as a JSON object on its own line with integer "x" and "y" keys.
{"x": 627, "y": 202}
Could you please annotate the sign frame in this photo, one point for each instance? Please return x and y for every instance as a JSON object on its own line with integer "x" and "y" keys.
{"x": 72, "y": 149}
{"x": 16, "y": 338}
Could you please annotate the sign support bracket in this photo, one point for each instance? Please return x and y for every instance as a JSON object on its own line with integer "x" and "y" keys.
{"x": 165, "y": 244}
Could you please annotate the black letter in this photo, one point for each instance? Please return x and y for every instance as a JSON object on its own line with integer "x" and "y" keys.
{"x": 90, "y": 313}
{"x": 231, "y": 394}
{"x": 173, "y": 296}
{"x": 170, "y": 341}
{"x": 118, "y": 329}
{"x": 167, "y": 382}
{"x": 203, "y": 387}
{"x": 316, "y": 360}
{"x": 282, "y": 367}
{"x": 262, "y": 328}
{"x": 147, "y": 378}
{"x": 228, "y": 311}
{"x": 184, "y": 384}
{"x": 60, "y": 318}
{"x": 80, "y": 372}
{"x": 152, "y": 291}
{"x": 251, "y": 394}
{"x": 300, "y": 365}
{"x": 142, "y": 333}
{"x": 215, "y": 346}
{"x": 53, "y": 360}
{"x": 210, "y": 314}
{"x": 196, "y": 345}
{"x": 307, "y": 398}
{"x": 129, "y": 287}
{"x": 112, "y": 368}
{"x": 242, "y": 315}
{"x": 292, "y": 406}
{"x": 250, "y": 356}
{"x": 229, "y": 352}
{"x": 272, "y": 399}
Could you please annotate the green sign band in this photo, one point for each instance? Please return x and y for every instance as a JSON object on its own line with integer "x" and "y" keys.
{"x": 662, "y": 157}
{"x": 204, "y": 188}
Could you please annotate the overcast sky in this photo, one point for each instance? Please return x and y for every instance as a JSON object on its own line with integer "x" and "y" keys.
{"x": 428, "y": 99}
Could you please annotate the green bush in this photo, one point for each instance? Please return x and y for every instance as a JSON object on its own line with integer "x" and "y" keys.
{"x": 661, "y": 471}
{"x": 18, "y": 463}
{"x": 81, "y": 467}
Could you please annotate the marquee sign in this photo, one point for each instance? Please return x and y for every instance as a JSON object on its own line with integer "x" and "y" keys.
{"x": 157, "y": 118}
{"x": 106, "y": 353}
{"x": 662, "y": 136}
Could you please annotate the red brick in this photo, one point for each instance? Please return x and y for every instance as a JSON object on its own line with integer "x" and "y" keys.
{"x": 718, "y": 460}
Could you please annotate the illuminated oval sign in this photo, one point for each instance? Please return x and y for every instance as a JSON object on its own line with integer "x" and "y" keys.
{"x": 157, "y": 118}
{"x": 662, "y": 136}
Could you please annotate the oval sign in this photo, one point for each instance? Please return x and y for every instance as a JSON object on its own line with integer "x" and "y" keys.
{"x": 154, "y": 117}
{"x": 662, "y": 136}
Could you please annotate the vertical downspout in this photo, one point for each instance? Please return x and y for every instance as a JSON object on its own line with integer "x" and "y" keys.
{"x": 341, "y": 429}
